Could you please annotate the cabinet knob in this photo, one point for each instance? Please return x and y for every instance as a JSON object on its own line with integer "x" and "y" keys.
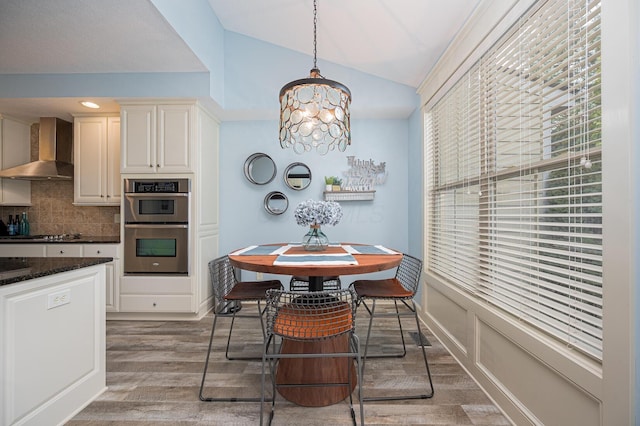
{"x": 61, "y": 251}
{"x": 98, "y": 252}
{"x": 157, "y": 165}
{"x": 150, "y": 165}
{"x": 154, "y": 304}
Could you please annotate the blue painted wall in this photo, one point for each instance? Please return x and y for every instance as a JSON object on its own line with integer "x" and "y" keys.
{"x": 245, "y": 221}
{"x": 255, "y": 71}
{"x": 200, "y": 28}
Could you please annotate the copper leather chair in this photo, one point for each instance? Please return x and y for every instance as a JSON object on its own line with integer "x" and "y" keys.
{"x": 228, "y": 295}
{"x": 311, "y": 317}
{"x": 401, "y": 290}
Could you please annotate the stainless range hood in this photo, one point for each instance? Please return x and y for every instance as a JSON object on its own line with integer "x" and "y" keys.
{"x": 55, "y": 154}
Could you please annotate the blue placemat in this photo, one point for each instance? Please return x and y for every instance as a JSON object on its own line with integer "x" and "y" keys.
{"x": 315, "y": 259}
{"x": 258, "y": 250}
{"x": 358, "y": 249}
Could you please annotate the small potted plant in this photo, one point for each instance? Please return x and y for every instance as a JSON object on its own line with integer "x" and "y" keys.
{"x": 337, "y": 183}
{"x": 328, "y": 183}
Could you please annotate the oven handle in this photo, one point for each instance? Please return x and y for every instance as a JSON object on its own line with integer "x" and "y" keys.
{"x": 156, "y": 194}
{"x": 155, "y": 226}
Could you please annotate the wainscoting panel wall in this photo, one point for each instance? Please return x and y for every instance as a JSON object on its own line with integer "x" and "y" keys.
{"x": 505, "y": 356}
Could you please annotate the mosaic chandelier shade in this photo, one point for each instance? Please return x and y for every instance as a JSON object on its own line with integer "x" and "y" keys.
{"x": 314, "y": 111}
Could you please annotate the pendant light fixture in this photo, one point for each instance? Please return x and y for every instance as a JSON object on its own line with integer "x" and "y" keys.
{"x": 314, "y": 111}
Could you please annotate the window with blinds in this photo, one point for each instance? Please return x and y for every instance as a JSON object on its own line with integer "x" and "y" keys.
{"x": 513, "y": 163}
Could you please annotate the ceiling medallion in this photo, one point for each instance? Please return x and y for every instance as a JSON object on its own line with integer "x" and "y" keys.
{"x": 314, "y": 111}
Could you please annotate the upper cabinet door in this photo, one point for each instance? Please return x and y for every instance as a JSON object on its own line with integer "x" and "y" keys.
{"x": 157, "y": 138}
{"x": 96, "y": 160}
{"x": 138, "y": 139}
{"x": 15, "y": 144}
{"x": 114, "y": 182}
{"x": 89, "y": 159}
{"x": 174, "y": 138}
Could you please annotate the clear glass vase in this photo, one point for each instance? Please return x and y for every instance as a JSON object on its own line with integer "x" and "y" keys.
{"x": 315, "y": 239}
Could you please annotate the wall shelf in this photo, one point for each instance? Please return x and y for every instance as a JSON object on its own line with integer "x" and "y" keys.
{"x": 349, "y": 195}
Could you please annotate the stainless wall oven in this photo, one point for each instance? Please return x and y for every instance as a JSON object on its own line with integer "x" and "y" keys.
{"x": 156, "y": 229}
{"x": 156, "y": 201}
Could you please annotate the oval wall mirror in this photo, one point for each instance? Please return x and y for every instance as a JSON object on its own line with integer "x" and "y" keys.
{"x": 276, "y": 203}
{"x": 297, "y": 176}
{"x": 259, "y": 168}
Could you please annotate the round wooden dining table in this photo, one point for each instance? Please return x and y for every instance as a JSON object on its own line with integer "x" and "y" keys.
{"x": 366, "y": 263}
{"x": 315, "y": 370}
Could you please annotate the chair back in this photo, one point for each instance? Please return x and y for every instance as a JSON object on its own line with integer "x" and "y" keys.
{"x": 300, "y": 283}
{"x": 310, "y": 316}
{"x": 408, "y": 272}
{"x": 223, "y": 279}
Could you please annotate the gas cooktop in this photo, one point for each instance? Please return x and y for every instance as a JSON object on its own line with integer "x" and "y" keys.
{"x": 61, "y": 237}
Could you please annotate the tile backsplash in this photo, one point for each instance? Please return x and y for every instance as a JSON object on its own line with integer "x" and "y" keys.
{"x": 52, "y": 211}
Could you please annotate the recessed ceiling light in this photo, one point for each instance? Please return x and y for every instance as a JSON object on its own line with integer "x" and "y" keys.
{"x": 89, "y": 104}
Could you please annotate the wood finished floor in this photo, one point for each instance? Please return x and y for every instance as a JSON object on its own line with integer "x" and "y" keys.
{"x": 154, "y": 369}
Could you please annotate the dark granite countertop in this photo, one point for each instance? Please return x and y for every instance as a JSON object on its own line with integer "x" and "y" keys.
{"x": 40, "y": 239}
{"x": 16, "y": 269}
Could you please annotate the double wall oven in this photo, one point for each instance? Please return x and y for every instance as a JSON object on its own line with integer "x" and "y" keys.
{"x": 156, "y": 226}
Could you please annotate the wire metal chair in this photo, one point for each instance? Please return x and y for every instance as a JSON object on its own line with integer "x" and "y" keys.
{"x": 401, "y": 288}
{"x": 300, "y": 283}
{"x": 228, "y": 295}
{"x": 311, "y": 317}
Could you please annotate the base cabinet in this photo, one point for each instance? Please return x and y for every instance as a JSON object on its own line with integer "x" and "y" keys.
{"x": 52, "y": 356}
{"x": 157, "y": 294}
{"x": 112, "y": 280}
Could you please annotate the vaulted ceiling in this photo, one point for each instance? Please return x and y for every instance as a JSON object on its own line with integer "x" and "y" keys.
{"x": 399, "y": 40}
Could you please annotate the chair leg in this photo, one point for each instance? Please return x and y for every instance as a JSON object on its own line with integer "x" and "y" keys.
{"x": 372, "y": 314}
{"x": 424, "y": 354}
{"x": 233, "y": 318}
{"x": 272, "y": 355}
{"x": 206, "y": 364}
{"x": 413, "y": 310}
{"x": 358, "y": 358}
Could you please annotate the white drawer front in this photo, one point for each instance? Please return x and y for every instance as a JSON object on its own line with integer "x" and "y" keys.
{"x": 155, "y": 303}
{"x": 22, "y": 250}
{"x": 101, "y": 250}
{"x": 64, "y": 250}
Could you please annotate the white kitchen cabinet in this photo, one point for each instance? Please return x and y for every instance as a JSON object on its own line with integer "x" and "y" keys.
{"x": 112, "y": 282}
{"x": 63, "y": 250}
{"x": 157, "y": 294}
{"x": 112, "y": 279}
{"x": 97, "y": 161}
{"x": 157, "y": 138}
{"x": 15, "y": 141}
{"x": 52, "y": 346}
{"x": 22, "y": 250}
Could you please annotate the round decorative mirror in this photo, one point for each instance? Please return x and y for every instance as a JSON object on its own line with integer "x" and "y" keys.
{"x": 297, "y": 176}
{"x": 276, "y": 203}
{"x": 259, "y": 168}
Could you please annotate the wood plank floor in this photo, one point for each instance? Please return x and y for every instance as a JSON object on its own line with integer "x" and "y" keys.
{"x": 154, "y": 369}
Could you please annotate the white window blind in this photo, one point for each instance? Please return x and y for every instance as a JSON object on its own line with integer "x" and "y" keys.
{"x": 513, "y": 161}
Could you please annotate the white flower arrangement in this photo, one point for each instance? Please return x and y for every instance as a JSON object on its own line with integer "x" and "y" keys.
{"x": 313, "y": 212}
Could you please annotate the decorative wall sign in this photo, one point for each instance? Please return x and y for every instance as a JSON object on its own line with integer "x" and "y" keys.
{"x": 363, "y": 175}
{"x": 359, "y": 181}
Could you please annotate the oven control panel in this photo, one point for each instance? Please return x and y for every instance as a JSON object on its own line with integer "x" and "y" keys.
{"x": 168, "y": 186}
